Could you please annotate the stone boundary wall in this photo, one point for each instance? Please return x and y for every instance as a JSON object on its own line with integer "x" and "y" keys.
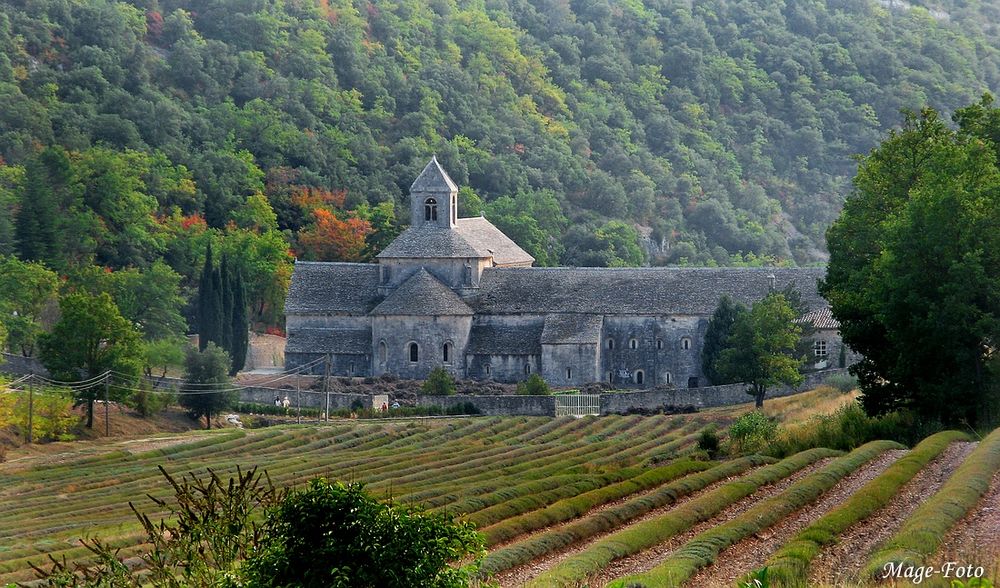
{"x": 510, "y": 405}
{"x": 706, "y": 397}
{"x": 20, "y": 365}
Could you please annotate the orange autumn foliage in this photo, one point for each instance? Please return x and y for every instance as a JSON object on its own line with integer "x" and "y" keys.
{"x": 333, "y": 239}
{"x": 308, "y": 198}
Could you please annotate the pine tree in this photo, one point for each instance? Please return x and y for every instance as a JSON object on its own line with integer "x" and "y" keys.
{"x": 240, "y": 326}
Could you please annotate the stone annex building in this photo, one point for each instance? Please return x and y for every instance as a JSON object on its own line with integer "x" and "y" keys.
{"x": 458, "y": 293}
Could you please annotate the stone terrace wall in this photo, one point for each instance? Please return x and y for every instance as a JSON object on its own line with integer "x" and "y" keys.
{"x": 707, "y": 397}
{"x": 309, "y": 398}
{"x": 496, "y": 405}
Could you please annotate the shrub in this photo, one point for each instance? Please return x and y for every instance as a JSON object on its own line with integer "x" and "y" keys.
{"x": 708, "y": 441}
{"x": 534, "y": 386}
{"x": 149, "y": 402}
{"x": 751, "y": 433}
{"x": 335, "y": 534}
{"x": 438, "y": 383}
{"x": 844, "y": 382}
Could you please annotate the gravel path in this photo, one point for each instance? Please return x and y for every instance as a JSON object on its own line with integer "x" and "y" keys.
{"x": 646, "y": 560}
{"x": 840, "y": 563}
{"x": 976, "y": 538}
{"x": 752, "y": 553}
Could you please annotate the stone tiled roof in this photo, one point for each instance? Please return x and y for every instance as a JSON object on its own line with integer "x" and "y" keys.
{"x": 433, "y": 179}
{"x": 431, "y": 241}
{"x": 655, "y": 291}
{"x": 572, "y": 328}
{"x": 821, "y": 318}
{"x": 472, "y": 237}
{"x": 494, "y": 339}
{"x": 488, "y": 239}
{"x": 319, "y": 287}
{"x": 357, "y": 342}
{"x": 422, "y": 295}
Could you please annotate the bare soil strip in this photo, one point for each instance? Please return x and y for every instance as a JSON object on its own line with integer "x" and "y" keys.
{"x": 976, "y": 538}
{"x": 840, "y": 563}
{"x": 752, "y": 553}
{"x": 520, "y": 575}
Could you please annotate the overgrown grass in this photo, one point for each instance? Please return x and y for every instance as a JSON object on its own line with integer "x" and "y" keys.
{"x": 789, "y": 566}
{"x": 570, "y": 508}
{"x": 640, "y": 536}
{"x": 921, "y": 534}
{"x": 705, "y": 547}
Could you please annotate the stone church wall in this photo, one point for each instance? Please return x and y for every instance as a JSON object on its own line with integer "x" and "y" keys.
{"x": 430, "y": 334}
{"x": 659, "y": 350}
{"x": 341, "y": 364}
{"x": 570, "y": 364}
{"x": 507, "y": 368}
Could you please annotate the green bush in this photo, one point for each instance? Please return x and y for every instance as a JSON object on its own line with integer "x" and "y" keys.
{"x": 844, "y": 382}
{"x": 438, "y": 383}
{"x": 534, "y": 386}
{"x": 149, "y": 402}
{"x": 751, "y": 433}
{"x": 708, "y": 441}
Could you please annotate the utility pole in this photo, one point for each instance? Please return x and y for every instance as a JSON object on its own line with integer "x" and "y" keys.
{"x": 326, "y": 389}
{"x": 107, "y": 411}
{"x": 31, "y": 410}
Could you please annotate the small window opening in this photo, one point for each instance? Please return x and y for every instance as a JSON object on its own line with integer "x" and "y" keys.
{"x": 486, "y": 369}
{"x": 414, "y": 353}
{"x": 569, "y": 373}
{"x": 639, "y": 376}
{"x": 383, "y": 352}
{"x": 430, "y": 209}
{"x": 352, "y": 368}
{"x": 667, "y": 378}
{"x": 819, "y": 348}
{"x": 686, "y": 343}
{"x": 527, "y": 369}
{"x": 446, "y": 353}
{"x": 633, "y": 344}
{"x": 659, "y": 343}
{"x": 611, "y": 343}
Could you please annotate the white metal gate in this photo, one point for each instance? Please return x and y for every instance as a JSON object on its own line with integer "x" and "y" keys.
{"x": 578, "y": 404}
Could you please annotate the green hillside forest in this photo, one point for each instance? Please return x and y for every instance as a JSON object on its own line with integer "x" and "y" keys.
{"x": 594, "y": 132}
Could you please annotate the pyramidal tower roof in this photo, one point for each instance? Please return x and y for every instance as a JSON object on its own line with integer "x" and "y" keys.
{"x": 433, "y": 179}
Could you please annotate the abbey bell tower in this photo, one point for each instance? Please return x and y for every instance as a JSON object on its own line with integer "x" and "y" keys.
{"x": 433, "y": 198}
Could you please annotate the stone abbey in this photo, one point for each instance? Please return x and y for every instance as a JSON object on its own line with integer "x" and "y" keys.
{"x": 459, "y": 294}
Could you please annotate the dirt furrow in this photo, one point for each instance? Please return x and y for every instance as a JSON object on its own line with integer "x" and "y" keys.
{"x": 752, "y": 552}
{"x": 645, "y": 560}
{"x": 976, "y": 538}
{"x": 840, "y": 563}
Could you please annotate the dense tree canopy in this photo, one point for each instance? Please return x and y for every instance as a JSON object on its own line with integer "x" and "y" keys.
{"x": 712, "y": 131}
{"x": 914, "y": 274}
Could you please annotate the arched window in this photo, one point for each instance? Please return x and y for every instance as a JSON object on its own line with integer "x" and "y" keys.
{"x": 633, "y": 344}
{"x": 610, "y": 343}
{"x": 668, "y": 378}
{"x": 659, "y": 343}
{"x": 446, "y": 353}
{"x": 527, "y": 369}
{"x": 639, "y": 377}
{"x": 686, "y": 343}
{"x": 383, "y": 352}
{"x": 486, "y": 369}
{"x": 414, "y": 353}
{"x": 430, "y": 209}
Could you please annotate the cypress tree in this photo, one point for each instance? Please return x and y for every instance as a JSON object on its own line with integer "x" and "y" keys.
{"x": 215, "y": 309}
{"x": 720, "y": 327}
{"x": 226, "y": 293}
{"x": 204, "y": 307}
{"x": 240, "y": 326}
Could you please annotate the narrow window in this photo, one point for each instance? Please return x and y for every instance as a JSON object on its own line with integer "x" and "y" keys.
{"x": 639, "y": 376}
{"x": 633, "y": 344}
{"x": 611, "y": 377}
{"x": 446, "y": 353}
{"x": 430, "y": 209}
{"x": 414, "y": 353}
{"x": 382, "y": 351}
{"x": 352, "y": 368}
{"x": 667, "y": 378}
{"x": 819, "y": 348}
{"x": 569, "y": 373}
{"x": 686, "y": 343}
{"x": 659, "y": 343}
{"x": 486, "y": 368}
{"x": 527, "y": 369}
{"x": 611, "y": 343}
